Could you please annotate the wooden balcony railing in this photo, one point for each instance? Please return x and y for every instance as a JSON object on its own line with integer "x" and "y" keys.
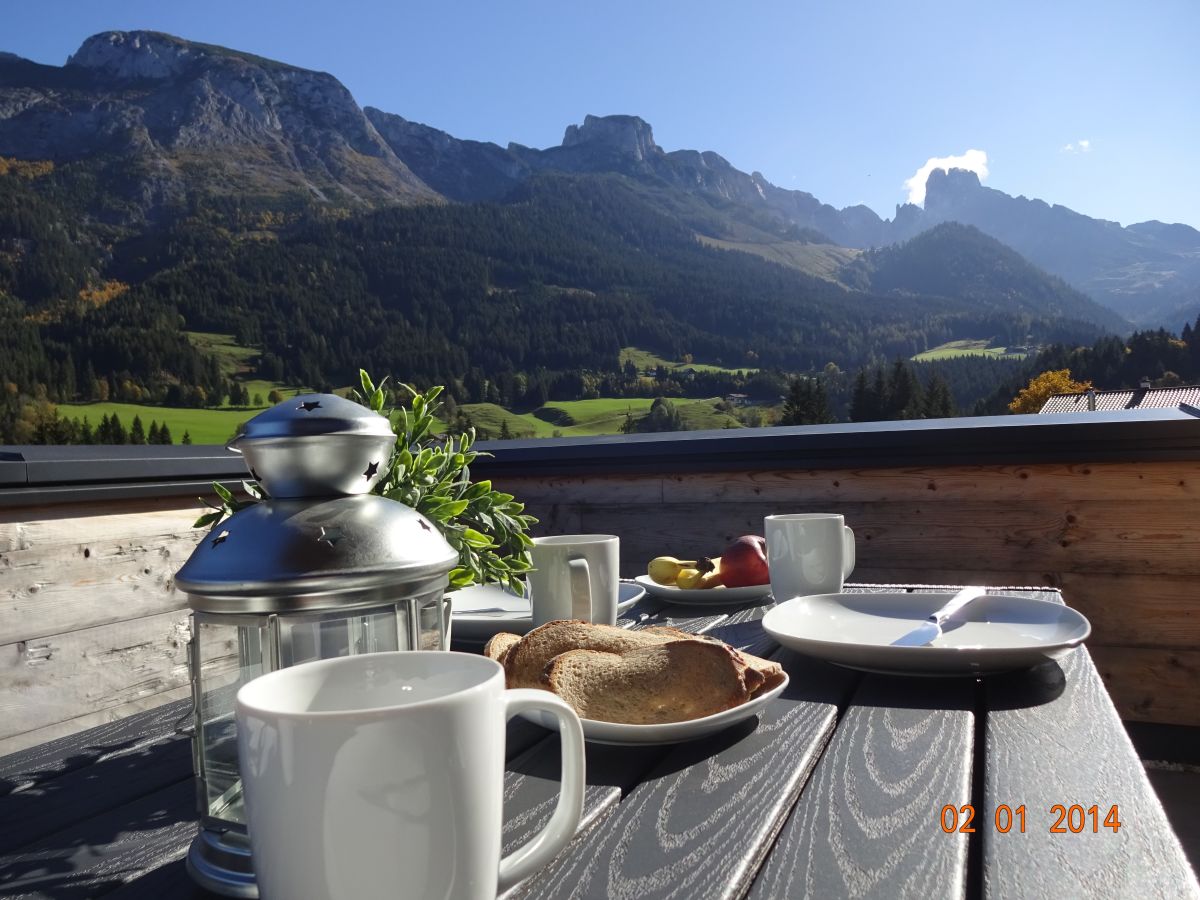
{"x": 1105, "y": 506}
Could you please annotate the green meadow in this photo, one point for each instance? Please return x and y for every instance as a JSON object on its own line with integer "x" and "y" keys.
{"x": 206, "y": 426}
{"x": 967, "y": 348}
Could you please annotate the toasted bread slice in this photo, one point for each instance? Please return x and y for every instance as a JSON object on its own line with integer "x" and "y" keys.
{"x": 671, "y": 682}
{"x": 497, "y": 648}
{"x": 763, "y": 674}
{"x": 525, "y": 662}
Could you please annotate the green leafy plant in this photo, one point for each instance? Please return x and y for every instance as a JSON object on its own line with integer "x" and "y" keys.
{"x": 432, "y": 474}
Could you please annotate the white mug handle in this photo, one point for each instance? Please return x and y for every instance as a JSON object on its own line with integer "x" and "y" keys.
{"x": 848, "y": 559}
{"x": 581, "y": 588}
{"x": 547, "y": 843}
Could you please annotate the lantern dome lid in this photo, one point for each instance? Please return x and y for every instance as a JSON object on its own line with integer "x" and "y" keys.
{"x": 316, "y": 445}
{"x": 306, "y": 415}
{"x": 296, "y": 555}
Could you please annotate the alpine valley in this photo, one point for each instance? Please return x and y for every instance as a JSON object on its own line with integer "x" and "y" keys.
{"x": 179, "y": 219}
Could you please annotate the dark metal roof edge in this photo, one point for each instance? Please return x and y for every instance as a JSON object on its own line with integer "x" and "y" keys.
{"x": 39, "y": 475}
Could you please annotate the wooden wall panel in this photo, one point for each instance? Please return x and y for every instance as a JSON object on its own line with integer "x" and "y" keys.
{"x": 91, "y": 626}
{"x": 51, "y": 680}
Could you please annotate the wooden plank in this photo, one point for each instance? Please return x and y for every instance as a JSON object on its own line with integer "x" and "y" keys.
{"x": 52, "y": 591}
{"x": 867, "y": 824}
{"x": 701, "y": 822}
{"x": 32, "y": 740}
{"x": 40, "y": 527}
{"x": 60, "y": 678}
{"x": 531, "y": 789}
{"x": 1093, "y": 536}
{"x": 1042, "y": 482}
{"x": 52, "y": 759}
{"x": 1053, "y": 737}
{"x": 1150, "y": 685}
{"x": 84, "y": 793}
{"x": 1053, "y": 482}
{"x": 98, "y": 855}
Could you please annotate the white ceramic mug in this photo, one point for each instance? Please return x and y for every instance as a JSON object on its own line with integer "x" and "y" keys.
{"x": 808, "y": 553}
{"x": 575, "y": 576}
{"x": 382, "y": 775}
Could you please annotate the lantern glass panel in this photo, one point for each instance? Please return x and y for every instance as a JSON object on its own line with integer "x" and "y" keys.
{"x": 431, "y": 622}
{"x": 332, "y": 634}
{"x": 228, "y": 656}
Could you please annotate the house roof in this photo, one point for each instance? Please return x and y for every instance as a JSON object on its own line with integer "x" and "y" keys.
{"x": 1141, "y": 398}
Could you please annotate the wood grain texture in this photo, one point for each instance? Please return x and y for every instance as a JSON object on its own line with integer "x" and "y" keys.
{"x": 84, "y": 793}
{"x": 1088, "y": 535}
{"x": 701, "y": 822}
{"x": 867, "y": 823}
{"x": 95, "y": 856}
{"x": 1043, "y": 482}
{"x": 1152, "y": 685}
{"x": 56, "y": 679}
{"x": 1052, "y": 736}
{"x": 54, "y": 758}
{"x": 45, "y": 527}
{"x": 69, "y": 728}
{"x": 531, "y": 788}
{"x": 51, "y": 591}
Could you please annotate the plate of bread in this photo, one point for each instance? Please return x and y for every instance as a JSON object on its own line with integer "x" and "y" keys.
{"x": 654, "y": 685}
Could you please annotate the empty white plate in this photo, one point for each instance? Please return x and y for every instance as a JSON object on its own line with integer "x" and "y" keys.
{"x": 996, "y": 633}
{"x": 482, "y": 610}
{"x": 666, "y": 733}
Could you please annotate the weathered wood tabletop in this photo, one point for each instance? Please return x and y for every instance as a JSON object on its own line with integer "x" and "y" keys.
{"x": 848, "y": 785}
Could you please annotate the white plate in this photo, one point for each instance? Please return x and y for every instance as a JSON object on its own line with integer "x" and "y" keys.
{"x": 996, "y": 633}
{"x": 482, "y": 610}
{"x": 667, "y": 733}
{"x": 717, "y": 596}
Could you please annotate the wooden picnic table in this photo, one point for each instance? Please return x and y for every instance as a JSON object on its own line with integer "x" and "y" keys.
{"x": 849, "y": 784}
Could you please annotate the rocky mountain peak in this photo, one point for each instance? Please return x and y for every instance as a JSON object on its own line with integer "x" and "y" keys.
{"x": 628, "y": 135}
{"x": 951, "y": 181}
{"x": 136, "y": 54}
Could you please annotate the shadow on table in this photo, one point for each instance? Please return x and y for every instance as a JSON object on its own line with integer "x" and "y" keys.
{"x": 1031, "y": 687}
{"x": 94, "y": 827}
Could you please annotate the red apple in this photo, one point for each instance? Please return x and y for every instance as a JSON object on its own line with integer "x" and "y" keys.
{"x": 744, "y": 562}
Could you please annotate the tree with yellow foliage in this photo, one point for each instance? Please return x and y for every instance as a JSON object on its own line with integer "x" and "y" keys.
{"x": 1040, "y": 388}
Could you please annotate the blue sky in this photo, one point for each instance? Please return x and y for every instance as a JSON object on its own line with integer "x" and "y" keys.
{"x": 1092, "y": 105}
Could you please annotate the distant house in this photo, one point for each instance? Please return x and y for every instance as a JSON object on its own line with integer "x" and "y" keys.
{"x": 737, "y": 399}
{"x": 1186, "y": 397}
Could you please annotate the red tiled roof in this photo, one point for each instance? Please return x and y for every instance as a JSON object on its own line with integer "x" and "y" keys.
{"x": 1149, "y": 398}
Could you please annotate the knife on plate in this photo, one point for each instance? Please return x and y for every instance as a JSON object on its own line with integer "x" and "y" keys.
{"x": 931, "y": 628}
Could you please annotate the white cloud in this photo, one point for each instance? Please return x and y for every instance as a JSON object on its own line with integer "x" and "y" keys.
{"x": 1080, "y": 146}
{"x": 973, "y": 160}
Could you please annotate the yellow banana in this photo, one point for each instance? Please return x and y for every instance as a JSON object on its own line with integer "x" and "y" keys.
{"x": 665, "y": 569}
{"x": 689, "y": 578}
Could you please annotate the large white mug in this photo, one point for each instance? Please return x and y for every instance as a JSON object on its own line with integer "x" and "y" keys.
{"x": 575, "y": 576}
{"x": 808, "y": 553}
{"x": 382, "y": 776}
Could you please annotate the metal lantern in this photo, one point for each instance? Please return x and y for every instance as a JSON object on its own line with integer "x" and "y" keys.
{"x": 322, "y": 569}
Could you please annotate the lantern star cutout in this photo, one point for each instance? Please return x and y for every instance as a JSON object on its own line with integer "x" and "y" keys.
{"x": 220, "y": 538}
{"x": 330, "y": 536}
{"x": 372, "y": 469}
{"x": 310, "y": 405}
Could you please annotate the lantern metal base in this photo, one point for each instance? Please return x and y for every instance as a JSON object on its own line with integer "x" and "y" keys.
{"x": 220, "y": 862}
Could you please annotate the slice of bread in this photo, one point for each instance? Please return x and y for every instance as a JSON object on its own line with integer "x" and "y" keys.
{"x": 671, "y": 682}
{"x": 525, "y": 662}
{"x": 497, "y": 648}
{"x": 763, "y": 675}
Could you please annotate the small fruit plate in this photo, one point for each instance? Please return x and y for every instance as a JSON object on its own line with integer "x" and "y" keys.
{"x": 620, "y": 735}
{"x": 717, "y": 596}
